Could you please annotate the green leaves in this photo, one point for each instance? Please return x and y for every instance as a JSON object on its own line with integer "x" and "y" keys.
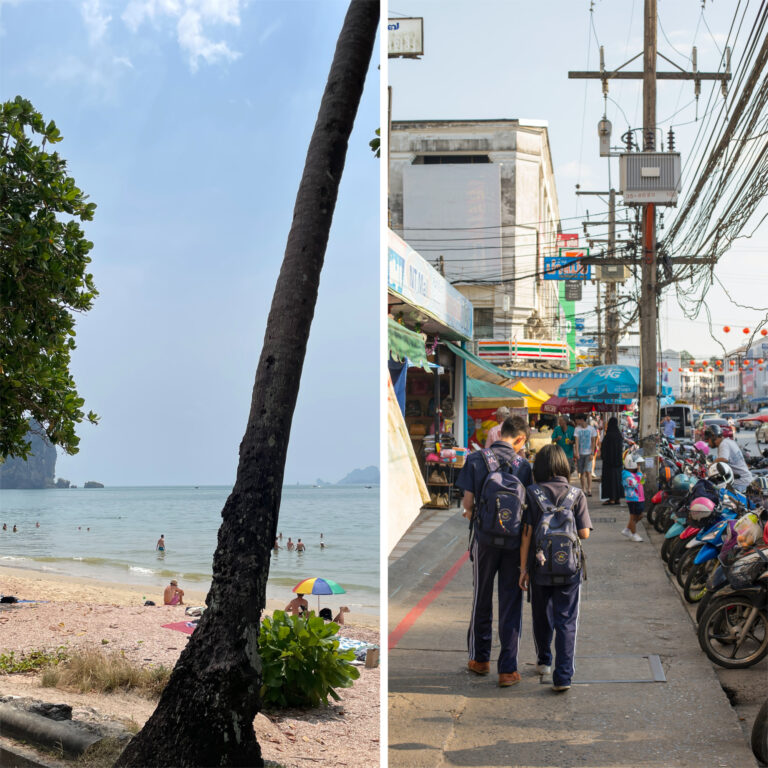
{"x": 43, "y": 281}
{"x": 301, "y": 663}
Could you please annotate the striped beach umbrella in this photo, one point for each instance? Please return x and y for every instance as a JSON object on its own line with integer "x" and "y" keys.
{"x": 318, "y": 586}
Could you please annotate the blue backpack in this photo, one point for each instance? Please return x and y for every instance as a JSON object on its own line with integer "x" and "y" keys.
{"x": 499, "y": 510}
{"x": 558, "y": 557}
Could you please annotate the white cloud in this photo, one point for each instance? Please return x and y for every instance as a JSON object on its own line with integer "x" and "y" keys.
{"x": 124, "y": 60}
{"x": 95, "y": 18}
{"x": 191, "y": 17}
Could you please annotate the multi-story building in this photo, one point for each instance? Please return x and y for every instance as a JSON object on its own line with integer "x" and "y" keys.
{"x": 478, "y": 199}
{"x": 746, "y": 376}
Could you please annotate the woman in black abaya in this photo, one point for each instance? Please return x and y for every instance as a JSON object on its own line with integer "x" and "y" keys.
{"x": 610, "y": 453}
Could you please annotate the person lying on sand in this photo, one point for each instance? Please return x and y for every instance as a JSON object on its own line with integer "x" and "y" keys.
{"x": 173, "y": 595}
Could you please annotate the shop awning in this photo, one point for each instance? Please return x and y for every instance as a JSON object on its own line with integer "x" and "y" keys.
{"x": 477, "y": 367}
{"x": 477, "y": 388}
{"x": 404, "y": 343}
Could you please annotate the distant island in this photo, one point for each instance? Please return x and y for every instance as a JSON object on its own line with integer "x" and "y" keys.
{"x": 92, "y": 484}
{"x": 368, "y": 476}
{"x": 39, "y": 468}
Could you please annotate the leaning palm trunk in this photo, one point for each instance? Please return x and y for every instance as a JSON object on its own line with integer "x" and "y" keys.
{"x": 205, "y": 714}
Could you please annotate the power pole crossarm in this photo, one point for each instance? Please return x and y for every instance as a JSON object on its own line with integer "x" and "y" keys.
{"x": 724, "y": 76}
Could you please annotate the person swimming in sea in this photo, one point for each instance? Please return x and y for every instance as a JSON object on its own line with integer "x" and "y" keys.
{"x": 160, "y": 546}
{"x": 300, "y": 546}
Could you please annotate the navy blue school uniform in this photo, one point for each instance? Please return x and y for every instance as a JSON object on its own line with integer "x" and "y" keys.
{"x": 489, "y": 561}
{"x": 555, "y": 609}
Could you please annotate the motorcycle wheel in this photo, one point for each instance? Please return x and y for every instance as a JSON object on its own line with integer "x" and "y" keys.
{"x": 760, "y": 734}
{"x": 675, "y": 553}
{"x": 719, "y": 632}
{"x": 704, "y": 603}
{"x": 665, "y": 549}
{"x": 695, "y": 586}
{"x": 685, "y": 565}
{"x": 650, "y": 515}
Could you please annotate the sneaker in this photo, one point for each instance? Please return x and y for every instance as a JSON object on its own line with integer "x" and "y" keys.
{"x": 636, "y": 537}
{"x": 561, "y": 688}
{"x": 507, "y": 679}
{"x": 626, "y": 532}
{"x": 479, "y": 667}
{"x": 543, "y": 670}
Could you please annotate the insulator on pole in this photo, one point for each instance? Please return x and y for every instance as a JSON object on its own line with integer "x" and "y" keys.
{"x": 671, "y": 140}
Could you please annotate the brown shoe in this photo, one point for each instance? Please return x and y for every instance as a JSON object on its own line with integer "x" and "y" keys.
{"x": 479, "y": 667}
{"x": 507, "y": 679}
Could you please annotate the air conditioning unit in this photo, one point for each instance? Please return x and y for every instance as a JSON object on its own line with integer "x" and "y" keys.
{"x": 650, "y": 177}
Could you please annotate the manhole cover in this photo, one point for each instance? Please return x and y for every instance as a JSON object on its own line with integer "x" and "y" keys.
{"x": 616, "y": 669}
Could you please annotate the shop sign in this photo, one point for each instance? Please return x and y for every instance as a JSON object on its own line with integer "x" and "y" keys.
{"x": 405, "y": 37}
{"x": 567, "y": 266}
{"x": 573, "y": 290}
{"x": 422, "y": 286}
{"x": 578, "y": 323}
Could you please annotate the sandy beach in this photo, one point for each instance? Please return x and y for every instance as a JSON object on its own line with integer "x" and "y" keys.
{"x": 82, "y": 613}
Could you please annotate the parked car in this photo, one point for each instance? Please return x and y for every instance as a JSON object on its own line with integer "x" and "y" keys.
{"x": 713, "y": 415}
{"x": 682, "y": 415}
{"x": 704, "y": 423}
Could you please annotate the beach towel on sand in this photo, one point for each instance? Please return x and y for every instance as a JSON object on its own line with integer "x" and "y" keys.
{"x": 188, "y": 627}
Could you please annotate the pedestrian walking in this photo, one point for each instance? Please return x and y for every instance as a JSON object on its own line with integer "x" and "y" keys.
{"x": 596, "y": 422}
{"x": 632, "y": 481}
{"x": 562, "y": 435}
{"x": 610, "y": 453}
{"x": 500, "y": 466}
{"x": 668, "y": 427}
{"x": 555, "y": 521}
{"x": 586, "y": 439}
{"x": 494, "y": 433}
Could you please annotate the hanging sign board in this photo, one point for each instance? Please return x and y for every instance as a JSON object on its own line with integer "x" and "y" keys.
{"x": 573, "y": 291}
{"x": 567, "y": 266}
{"x": 405, "y": 37}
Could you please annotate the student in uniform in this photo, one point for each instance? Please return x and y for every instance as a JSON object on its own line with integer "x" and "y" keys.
{"x": 488, "y": 561}
{"x": 554, "y": 606}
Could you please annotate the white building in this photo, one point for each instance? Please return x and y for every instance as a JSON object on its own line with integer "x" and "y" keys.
{"x": 478, "y": 198}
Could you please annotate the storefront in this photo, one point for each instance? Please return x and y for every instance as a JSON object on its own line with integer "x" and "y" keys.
{"x": 428, "y": 318}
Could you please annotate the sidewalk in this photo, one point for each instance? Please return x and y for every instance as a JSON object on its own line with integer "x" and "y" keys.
{"x": 632, "y": 627}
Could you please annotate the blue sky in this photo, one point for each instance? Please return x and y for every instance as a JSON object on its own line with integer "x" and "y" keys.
{"x": 187, "y": 122}
{"x": 510, "y": 59}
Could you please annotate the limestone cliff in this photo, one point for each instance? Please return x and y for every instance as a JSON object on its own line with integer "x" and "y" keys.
{"x": 36, "y": 472}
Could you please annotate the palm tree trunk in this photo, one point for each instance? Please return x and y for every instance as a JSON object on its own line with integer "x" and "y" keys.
{"x": 205, "y": 714}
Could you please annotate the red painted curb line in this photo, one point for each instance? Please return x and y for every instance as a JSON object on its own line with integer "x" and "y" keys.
{"x": 410, "y": 619}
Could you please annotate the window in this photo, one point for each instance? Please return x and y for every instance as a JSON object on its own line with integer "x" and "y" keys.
{"x": 450, "y": 159}
{"x": 483, "y": 322}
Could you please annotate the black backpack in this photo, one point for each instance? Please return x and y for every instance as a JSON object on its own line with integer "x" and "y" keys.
{"x": 558, "y": 556}
{"x": 499, "y": 509}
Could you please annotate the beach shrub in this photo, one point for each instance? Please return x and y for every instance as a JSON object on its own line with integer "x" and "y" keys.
{"x": 301, "y": 662}
{"x": 106, "y": 673}
{"x": 27, "y": 661}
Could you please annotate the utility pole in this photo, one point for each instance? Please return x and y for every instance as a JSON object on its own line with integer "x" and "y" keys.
{"x": 598, "y": 308}
{"x": 649, "y": 404}
{"x": 611, "y": 316}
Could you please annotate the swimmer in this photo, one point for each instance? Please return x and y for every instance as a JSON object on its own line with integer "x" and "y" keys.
{"x": 297, "y": 606}
{"x": 280, "y": 537}
{"x": 5, "y": 526}
{"x": 14, "y": 529}
{"x": 290, "y": 545}
{"x": 322, "y": 542}
{"x": 300, "y": 547}
{"x": 160, "y": 546}
{"x": 276, "y": 546}
{"x": 37, "y": 525}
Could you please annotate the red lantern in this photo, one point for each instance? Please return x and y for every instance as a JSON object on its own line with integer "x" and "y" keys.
{"x": 760, "y": 360}
{"x": 746, "y": 330}
{"x": 727, "y": 328}
{"x": 701, "y": 370}
{"x": 710, "y": 370}
{"x": 669, "y": 370}
{"x": 691, "y": 370}
{"x": 764, "y": 332}
{"x": 746, "y": 363}
{"x": 680, "y": 370}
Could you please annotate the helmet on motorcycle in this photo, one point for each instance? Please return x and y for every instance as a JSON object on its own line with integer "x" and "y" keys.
{"x": 702, "y": 446}
{"x": 681, "y": 484}
{"x": 701, "y": 507}
{"x": 665, "y": 473}
{"x": 712, "y": 430}
{"x": 630, "y": 462}
{"x": 720, "y": 474}
{"x": 747, "y": 569}
{"x": 760, "y": 485}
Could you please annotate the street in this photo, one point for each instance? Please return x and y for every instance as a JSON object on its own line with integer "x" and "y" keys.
{"x": 644, "y": 694}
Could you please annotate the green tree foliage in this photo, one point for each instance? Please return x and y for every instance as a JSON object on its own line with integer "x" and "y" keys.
{"x": 301, "y": 663}
{"x": 43, "y": 282}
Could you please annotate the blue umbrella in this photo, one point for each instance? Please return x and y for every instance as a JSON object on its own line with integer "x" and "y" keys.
{"x": 605, "y": 384}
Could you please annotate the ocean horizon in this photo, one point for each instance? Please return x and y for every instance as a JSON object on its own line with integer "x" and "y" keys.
{"x": 125, "y": 523}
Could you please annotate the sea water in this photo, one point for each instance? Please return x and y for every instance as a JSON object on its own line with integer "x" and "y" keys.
{"x": 125, "y": 524}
